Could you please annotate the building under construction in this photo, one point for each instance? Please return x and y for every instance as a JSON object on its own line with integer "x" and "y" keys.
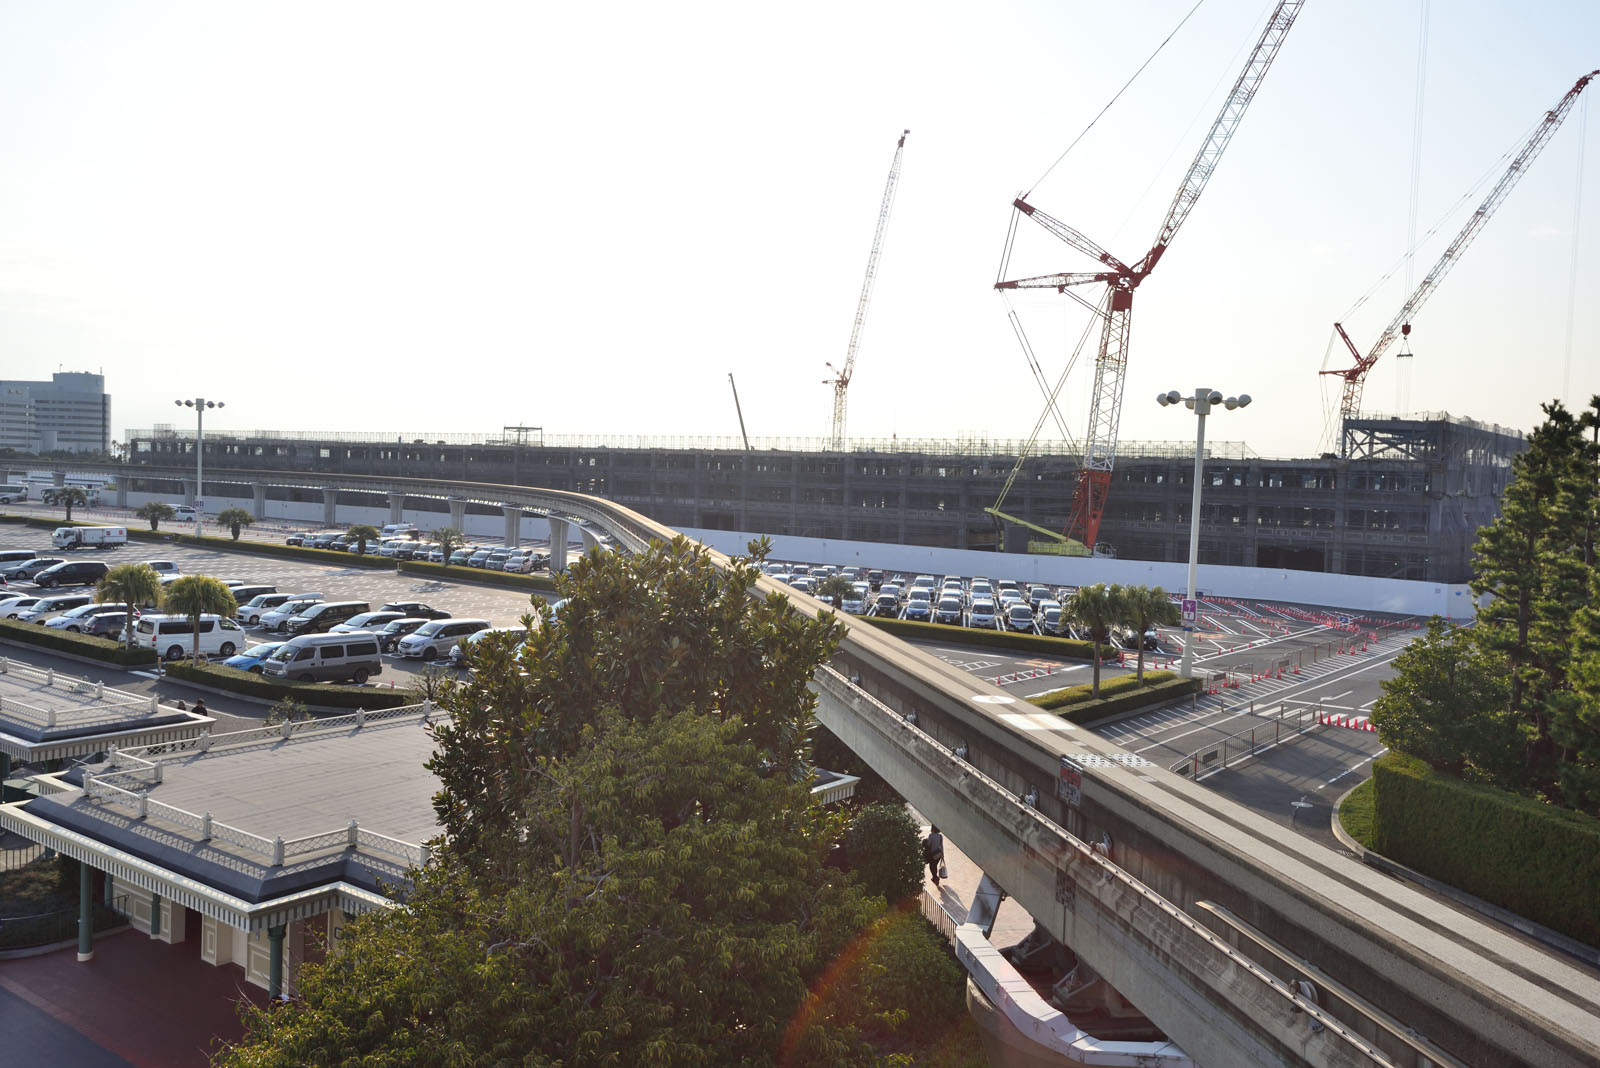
{"x": 1406, "y": 504}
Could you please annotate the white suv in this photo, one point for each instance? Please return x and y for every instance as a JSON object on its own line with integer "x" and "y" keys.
{"x": 434, "y": 638}
{"x": 277, "y": 619}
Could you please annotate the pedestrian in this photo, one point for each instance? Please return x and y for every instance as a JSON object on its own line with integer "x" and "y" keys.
{"x": 933, "y": 853}
{"x": 199, "y": 706}
{"x": 181, "y": 707}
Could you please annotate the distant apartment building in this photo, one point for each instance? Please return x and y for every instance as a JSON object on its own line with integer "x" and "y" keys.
{"x": 69, "y": 413}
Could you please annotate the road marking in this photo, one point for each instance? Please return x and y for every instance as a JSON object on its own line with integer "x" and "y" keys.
{"x": 1354, "y": 766}
{"x": 1037, "y": 721}
{"x": 145, "y": 674}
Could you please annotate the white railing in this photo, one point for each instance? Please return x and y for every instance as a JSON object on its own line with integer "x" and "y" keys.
{"x": 109, "y": 704}
{"x": 142, "y": 767}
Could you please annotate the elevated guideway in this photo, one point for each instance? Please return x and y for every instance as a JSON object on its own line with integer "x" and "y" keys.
{"x": 1244, "y": 942}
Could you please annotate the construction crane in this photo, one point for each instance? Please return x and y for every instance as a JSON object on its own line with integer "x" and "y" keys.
{"x": 1105, "y": 407}
{"x": 1400, "y": 326}
{"x": 841, "y": 380}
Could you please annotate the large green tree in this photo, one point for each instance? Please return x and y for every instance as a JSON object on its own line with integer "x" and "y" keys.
{"x": 130, "y": 585}
{"x": 69, "y": 497}
{"x": 1097, "y": 609}
{"x": 195, "y": 596}
{"x": 235, "y": 519}
{"x": 1144, "y": 607}
{"x": 155, "y": 512}
{"x": 634, "y": 869}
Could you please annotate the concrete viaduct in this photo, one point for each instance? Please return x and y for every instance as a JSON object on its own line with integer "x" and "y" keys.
{"x": 1245, "y": 943}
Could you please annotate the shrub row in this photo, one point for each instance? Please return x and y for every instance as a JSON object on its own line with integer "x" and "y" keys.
{"x": 330, "y": 557}
{"x": 1517, "y": 852}
{"x": 249, "y": 685}
{"x": 104, "y": 649}
{"x": 1079, "y": 705}
{"x": 1068, "y": 648}
{"x": 479, "y": 575}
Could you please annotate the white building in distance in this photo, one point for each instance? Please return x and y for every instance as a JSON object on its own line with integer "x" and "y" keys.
{"x": 69, "y": 413}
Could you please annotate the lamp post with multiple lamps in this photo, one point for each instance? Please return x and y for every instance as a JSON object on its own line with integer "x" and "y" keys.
{"x": 1201, "y": 403}
{"x": 199, "y": 404}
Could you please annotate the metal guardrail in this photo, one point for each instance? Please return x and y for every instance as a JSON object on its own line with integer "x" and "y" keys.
{"x": 61, "y": 925}
{"x": 1287, "y": 725}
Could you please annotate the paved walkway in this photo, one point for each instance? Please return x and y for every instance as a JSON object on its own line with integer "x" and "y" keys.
{"x": 139, "y": 1002}
{"x": 953, "y": 897}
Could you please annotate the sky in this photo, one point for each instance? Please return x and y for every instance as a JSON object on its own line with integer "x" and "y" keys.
{"x": 423, "y": 218}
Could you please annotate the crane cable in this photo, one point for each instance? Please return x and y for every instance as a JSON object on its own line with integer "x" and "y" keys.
{"x": 1572, "y": 270}
{"x": 1113, "y": 100}
{"x": 1402, "y": 371}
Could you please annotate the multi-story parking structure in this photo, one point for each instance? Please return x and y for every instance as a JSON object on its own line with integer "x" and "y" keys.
{"x": 1407, "y": 503}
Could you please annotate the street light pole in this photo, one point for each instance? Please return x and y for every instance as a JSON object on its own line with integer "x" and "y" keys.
{"x": 199, "y": 404}
{"x": 1201, "y": 404}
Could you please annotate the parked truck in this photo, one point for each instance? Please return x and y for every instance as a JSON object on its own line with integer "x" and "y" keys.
{"x": 89, "y": 537}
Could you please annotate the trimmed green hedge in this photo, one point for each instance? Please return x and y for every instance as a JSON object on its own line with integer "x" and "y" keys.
{"x": 479, "y": 575}
{"x": 1517, "y": 852}
{"x": 330, "y": 557}
{"x": 1068, "y": 648}
{"x": 308, "y": 693}
{"x": 65, "y": 641}
{"x": 1123, "y": 694}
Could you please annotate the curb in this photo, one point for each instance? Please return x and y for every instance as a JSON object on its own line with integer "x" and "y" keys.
{"x": 1545, "y": 936}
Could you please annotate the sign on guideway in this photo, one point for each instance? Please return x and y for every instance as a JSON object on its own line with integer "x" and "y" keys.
{"x": 1190, "y": 610}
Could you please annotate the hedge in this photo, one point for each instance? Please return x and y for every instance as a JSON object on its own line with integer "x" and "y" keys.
{"x": 330, "y": 557}
{"x": 1068, "y": 648}
{"x": 250, "y": 685}
{"x": 65, "y": 641}
{"x": 1517, "y": 852}
{"x": 477, "y": 574}
{"x": 1079, "y": 705}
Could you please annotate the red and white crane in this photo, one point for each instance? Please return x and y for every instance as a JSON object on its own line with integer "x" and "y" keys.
{"x": 1105, "y": 409}
{"x": 1400, "y": 326}
{"x": 841, "y": 380}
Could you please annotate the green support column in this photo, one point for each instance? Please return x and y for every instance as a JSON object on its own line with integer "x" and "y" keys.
{"x": 155, "y": 915}
{"x": 275, "y": 962}
{"x": 85, "y": 913}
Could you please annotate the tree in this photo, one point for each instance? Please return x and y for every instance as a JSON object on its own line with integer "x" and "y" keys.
{"x": 448, "y": 539}
{"x": 156, "y": 512}
{"x": 69, "y": 497}
{"x": 1097, "y": 609}
{"x": 1446, "y": 705}
{"x": 235, "y": 519}
{"x": 883, "y": 846}
{"x": 835, "y": 588}
{"x": 633, "y": 870}
{"x": 198, "y": 595}
{"x": 362, "y": 533}
{"x": 1144, "y": 607}
{"x": 129, "y": 585}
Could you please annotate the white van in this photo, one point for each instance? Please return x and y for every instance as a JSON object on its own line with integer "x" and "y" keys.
{"x": 397, "y": 530}
{"x": 352, "y": 655}
{"x": 172, "y": 637}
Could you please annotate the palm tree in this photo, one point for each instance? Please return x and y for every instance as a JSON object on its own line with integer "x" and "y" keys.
{"x": 1145, "y": 607}
{"x": 449, "y": 539}
{"x": 834, "y": 589}
{"x": 155, "y": 512}
{"x": 1094, "y": 608}
{"x": 130, "y": 585}
{"x": 70, "y": 496}
{"x": 198, "y": 595}
{"x": 362, "y": 533}
{"x": 233, "y": 519}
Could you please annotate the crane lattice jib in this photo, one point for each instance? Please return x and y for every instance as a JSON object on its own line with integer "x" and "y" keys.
{"x": 841, "y": 384}
{"x": 1233, "y": 109}
{"x": 1350, "y": 404}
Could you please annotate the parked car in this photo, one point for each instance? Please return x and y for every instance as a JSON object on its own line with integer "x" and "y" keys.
{"x": 27, "y": 569}
{"x": 352, "y": 656}
{"x": 108, "y": 624}
{"x": 252, "y": 658}
{"x": 258, "y": 605}
{"x": 173, "y": 637}
{"x": 1019, "y": 617}
{"x": 415, "y": 608}
{"x": 372, "y": 621}
{"x": 45, "y": 607}
{"x": 16, "y": 605}
{"x": 321, "y": 617}
{"x": 981, "y": 614}
{"x": 390, "y": 633}
{"x": 479, "y": 558}
{"x": 459, "y": 557}
{"x": 72, "y": 573}
{"x": 77, "y": 618}
{"x": 295, "y": 539}
{"x": 434, "y": 638}
{"x": 885, "y": 605}
{"x": 1050, "y": 618}
{"x": 163, "y": 567}
{"x": 948, "y": 610}
{"x": 277, "y": 619}
{"x": 461, "y": 649}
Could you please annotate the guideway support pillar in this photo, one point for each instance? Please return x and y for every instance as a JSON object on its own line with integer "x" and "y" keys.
{"x": 558, "y": 545}
{"x": 330, "y": 507}
{"x": 458, "y": 514}
{"x": 397, "y": 506}
{"x": 513, "y": 533}
{"x": 259, "y": 505}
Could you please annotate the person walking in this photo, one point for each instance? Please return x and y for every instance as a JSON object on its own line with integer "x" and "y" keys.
{"x": 933, "y": 853}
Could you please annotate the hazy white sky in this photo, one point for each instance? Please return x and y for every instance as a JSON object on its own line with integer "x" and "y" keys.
{"x": 391, "y": 216}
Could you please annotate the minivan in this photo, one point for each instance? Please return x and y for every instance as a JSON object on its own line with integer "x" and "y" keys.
{"x": 433, "y": 640}
{"x": 243, "y": 595}
{"x": 259, "y": 605}
{"x": 172, "y": 637}
{"x": 8, "y": 557}
{"x": 277, "y": 619}
{"x": 326, "y": 657}
{"x": 72, "y": 573}
{"x": 320, "y": 617}
{"x": 45, "y": 607}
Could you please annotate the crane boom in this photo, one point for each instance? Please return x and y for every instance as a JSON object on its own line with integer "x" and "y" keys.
{"x": 1105, "y": 406}
{"x": 841, "y": 381}
{"x": 1400, "y": 326}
